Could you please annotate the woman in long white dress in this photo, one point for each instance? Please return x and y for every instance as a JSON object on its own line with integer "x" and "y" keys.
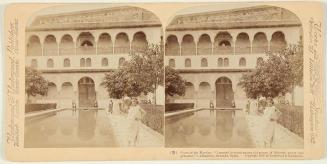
{"x": 271, "y": 115}
{"x": 116, "y": 107}
{"x": 134, "y": 117}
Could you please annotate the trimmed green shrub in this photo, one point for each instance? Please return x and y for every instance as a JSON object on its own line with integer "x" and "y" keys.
{"x": 292, "y": 118}
{"x": 170, "y": 107}
{"x": 39, "y": 107}
{"x": 154, "y": 117}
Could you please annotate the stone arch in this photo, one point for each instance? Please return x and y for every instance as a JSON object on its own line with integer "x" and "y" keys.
{"x": 278, "y": 41}
{"x": 121, "y": 61}
{"x": 243, "y": 44}
{"x": 139, "y": 42}
{"x": 50, "y": 46}
{"x": 204, "y": 62}
{"x": 34, "y": 47}
{"x": 220, "y": 62}
{"x": 204, "y": 45}
{"x": 172, "y": 46}
{"x": 224, "y": 92}
{"x": 67, "y": 46}
{"x": 34, "y": 63}
{"x": 171, "y": 63}
{"x": 223, "y": 43}
{"x": 260, "y": 43}
{"x": 226, "y": 62}
{"x": 67, "y": 90}
{"x": 88, "y": 62}
{"x": 204, "y": 91}
{"x": 52, "y": 91}
{"x": 188, "y": 62}
{"x": 242, "y": 62}
{"x": 82, "y": 62}
{"x": 105, "y": 45}
{"x": 104, "y": 62}
{"x": 86, "y": 92}
{"x": 189, "y": 91}
{"x": 188, "y": 45}
{"x": 122, "y": 44}
{"x": 86, "y": 44}
{"x": 66, "y": 62}
{"x": 50, "y": 63}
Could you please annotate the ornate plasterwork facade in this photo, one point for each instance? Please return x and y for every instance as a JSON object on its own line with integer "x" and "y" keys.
{"x": 117, "y": 17}
{"x": 212, "y": 50}
{"x": 261, "y": 16}
{"x": 75, "y": 50}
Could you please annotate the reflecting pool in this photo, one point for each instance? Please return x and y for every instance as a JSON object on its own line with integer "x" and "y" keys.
{"x": 208, "y": 128}
{"x": 69, "y": 128}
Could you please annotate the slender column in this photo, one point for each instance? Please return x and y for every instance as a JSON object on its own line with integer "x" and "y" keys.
{"x": 196, "y": 49}
{"x": 75, "y": 49}
{"x": 113, "y": 46}
{"x": 234, "y": 47}
{"x": 58, "y": 49}
{"x": 251, "y": 46}
{"x": 130, "y": 46}
{"x": 96, "y": 48}
{"x": 212, "y": 47}
{"x": 180, "y": 50}
{"x": 269, "y": 35}
{"x": 42, "y": 53}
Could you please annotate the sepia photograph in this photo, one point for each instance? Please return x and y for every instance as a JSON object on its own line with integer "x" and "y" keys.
{"x": 164, "y": 81}
{"x": 234, "y": 78}
{"x": 94, "y": 77}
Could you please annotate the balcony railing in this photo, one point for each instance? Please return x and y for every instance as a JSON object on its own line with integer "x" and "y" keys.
{"x": 121, "y": 50}
{"x": 104, "y": 50}
{"x": 138, "y": 49}
{"x": 204, "y": 50}
{"x": 172, "y": 51}
{"x": 50, "y": 52}
{"x": 67, "y": 51}
{"x": 223, "y": 50}
{"x": 277, "y": 48}
{"x": 259, "y": 49}
{"x": 188, "y": 51}
{"x": 86, "y": 50}
{"x": 243, "y": 50}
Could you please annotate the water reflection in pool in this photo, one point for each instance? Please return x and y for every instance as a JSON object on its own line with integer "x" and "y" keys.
{"x": 69, "y": 128}
{"x": 208, "y": 128}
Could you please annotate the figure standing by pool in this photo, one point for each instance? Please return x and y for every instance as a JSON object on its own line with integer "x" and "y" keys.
{"x": 110, "y": 107}
{"x": 116, "y": 107}
{"x": 134, "y": 117}
{"x": 271, "y": 115}
{"x": 253, "y": 107}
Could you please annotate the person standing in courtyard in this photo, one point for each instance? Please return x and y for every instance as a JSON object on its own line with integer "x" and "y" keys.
{"x": 271, "y": 115}
{"x": 134, "y": 117}
{"x": 253, "y": 107}
{"x": 110, "y": 107}
{"x": 116, "y": 107}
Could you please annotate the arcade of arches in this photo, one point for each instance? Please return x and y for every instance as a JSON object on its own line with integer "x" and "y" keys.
{"x": 221, "y": 92}
{"x": 224, "y": 43}
{"x": 86, "y": 44}
{"x": 85, "y": 93}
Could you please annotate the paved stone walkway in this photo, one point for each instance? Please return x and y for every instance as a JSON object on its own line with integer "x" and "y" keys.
{"x": 147, "y": 136}
{"x": 283, "y": 137}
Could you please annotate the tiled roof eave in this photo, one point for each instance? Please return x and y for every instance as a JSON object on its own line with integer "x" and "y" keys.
{"x": 236, "y": 25}
{"x": 92, "y": 26}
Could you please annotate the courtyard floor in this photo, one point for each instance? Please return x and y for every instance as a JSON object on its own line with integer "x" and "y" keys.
{"x": 283, "y": 138}
{"x": 147, "y": 136}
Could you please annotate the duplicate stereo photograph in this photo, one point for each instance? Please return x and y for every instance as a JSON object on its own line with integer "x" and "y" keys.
{"x": 110, "y": 75}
